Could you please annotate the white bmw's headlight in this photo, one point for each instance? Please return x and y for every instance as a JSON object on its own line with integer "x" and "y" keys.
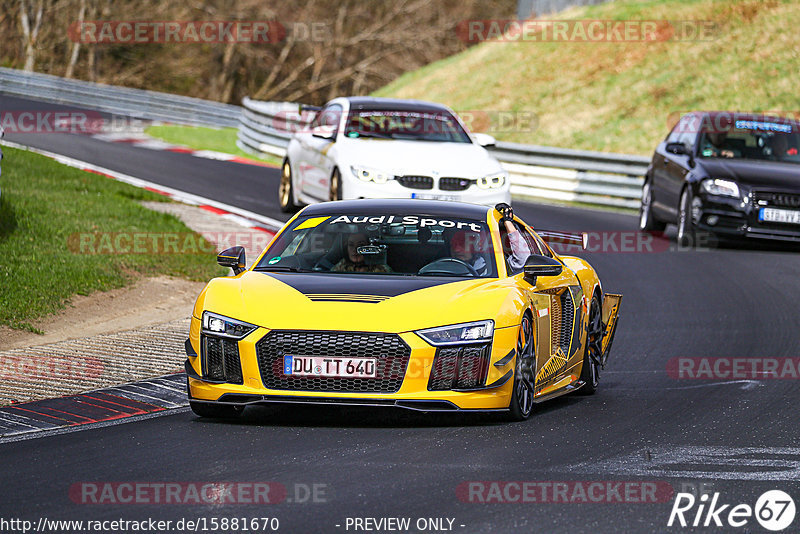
{"x": 219, "y": 325}
{"x": 493, "y": 181}
{"x": 724, "y": 188}
{"x": 371, "y": 175}
{"x": 457, "y": 334}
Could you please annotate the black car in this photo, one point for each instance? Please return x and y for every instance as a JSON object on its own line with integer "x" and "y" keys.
{"x": 725, "y": 175}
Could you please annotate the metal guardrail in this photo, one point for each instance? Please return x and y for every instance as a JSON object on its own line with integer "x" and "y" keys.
{"x": 561, "y": 174}
{"x": 138, "y": 103}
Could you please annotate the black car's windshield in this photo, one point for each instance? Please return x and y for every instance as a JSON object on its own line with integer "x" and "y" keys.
{"x": 753, "y": 140}
{"x": 396, "y": 244}
{"x": 405, "y": 124}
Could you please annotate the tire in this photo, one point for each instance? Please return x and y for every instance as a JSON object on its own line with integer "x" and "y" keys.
{"x": 336, "y": 186}
{"x": 647, "y": 220}
{"x": 593, "y": 350}
{"x": 216, "y": 411}
{"x": 286, "y": 189}
{"x": 520, "y": 406}
{"x": 686, "y": 230}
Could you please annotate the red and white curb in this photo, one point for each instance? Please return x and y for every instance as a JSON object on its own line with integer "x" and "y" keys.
{"x": 245, "y": 218}
{"x": 141, "y": 140}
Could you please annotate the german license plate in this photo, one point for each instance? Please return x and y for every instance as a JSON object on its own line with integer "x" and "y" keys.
{"x": 427, "y": 196}
{"x": 779, "y": 216}
{"x": 329, "y": 367}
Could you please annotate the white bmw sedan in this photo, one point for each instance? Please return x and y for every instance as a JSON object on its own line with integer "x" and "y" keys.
{"x": 363, "y": 147}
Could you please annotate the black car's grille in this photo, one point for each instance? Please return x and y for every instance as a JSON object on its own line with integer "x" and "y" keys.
{"x": 454, "y": 184}
{"x": 778, "y": 200}
{"x": 391, "y": 353}
{"x": 416, "y": 182}
{"x": 220, "y": 359}
{"x": 460, "y": 367}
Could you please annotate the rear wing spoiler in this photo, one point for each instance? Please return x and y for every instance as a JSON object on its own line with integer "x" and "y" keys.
{"x": 575, "y": 239}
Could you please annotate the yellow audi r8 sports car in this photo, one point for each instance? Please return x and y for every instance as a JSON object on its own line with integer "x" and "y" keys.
{"x": 425, "y": 305}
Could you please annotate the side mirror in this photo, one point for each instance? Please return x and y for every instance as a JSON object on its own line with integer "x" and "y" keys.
{"x": 537, "y": 265}
{"x": 234, "y": 258}
{"x": 677, "y": 148}
{"x": 324, "y": 131}
{"x": 484, "y": 139}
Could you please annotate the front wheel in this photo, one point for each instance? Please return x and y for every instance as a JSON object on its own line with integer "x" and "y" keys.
{"x": 593, "y": 352}
{"x": 686, "y": 230}
{"x": 336, "y": 186}
{"x": 521, "y": 404}
{"x": 286, "y": 189}
{"x": 647, "y": 221}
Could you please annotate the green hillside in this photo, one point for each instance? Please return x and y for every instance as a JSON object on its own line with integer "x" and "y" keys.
{"x": 622, "y": 96}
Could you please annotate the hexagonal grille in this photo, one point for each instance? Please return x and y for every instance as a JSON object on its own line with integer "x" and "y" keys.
{"x": 391, "y": 353}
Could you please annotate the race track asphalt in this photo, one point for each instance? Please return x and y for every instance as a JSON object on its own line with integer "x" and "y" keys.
{"x": 738, "y": 437}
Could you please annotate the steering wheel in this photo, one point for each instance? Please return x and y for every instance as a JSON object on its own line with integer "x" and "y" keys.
{"x": 440, "y": 266}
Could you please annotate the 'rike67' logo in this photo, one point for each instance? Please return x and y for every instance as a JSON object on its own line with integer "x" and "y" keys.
{"x": 774, "y": 510}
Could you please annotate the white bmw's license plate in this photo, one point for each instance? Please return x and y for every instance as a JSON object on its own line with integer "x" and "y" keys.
{"x": 329, "y": 367}
{"x": 424, "y": 196}
{"x": 779, "y": 216}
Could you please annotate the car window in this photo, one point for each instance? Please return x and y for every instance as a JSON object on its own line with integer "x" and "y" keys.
{"x": 408, "y": 125}
{"x": 398, "y": 244}
{"x": 328, "y": 116}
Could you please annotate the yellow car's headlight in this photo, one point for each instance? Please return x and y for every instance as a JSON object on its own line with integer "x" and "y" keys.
{"x": 458, "y": 334}
{"x": 219, "y": 325}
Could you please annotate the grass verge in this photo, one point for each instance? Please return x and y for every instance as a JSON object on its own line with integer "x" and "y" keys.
{"x": 621, "y": 96}
{"x": 199, "y": 138}
{"x": 45, "y": 207}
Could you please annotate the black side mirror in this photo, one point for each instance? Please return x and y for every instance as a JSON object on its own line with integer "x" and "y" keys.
{"x": 677, "y": 148}
{"x": 537, "y": 265}
{"x": 234, "y": 258}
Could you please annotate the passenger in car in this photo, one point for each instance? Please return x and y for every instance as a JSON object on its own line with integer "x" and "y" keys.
{"x": 353, "y": 262}
{"x": 516, "y": 250}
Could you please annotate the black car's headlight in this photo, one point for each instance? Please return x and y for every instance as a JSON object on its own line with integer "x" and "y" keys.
{"x": 458, "y": 334}
{"x": 723, "y": 188}
{"x": 219, "y": 325}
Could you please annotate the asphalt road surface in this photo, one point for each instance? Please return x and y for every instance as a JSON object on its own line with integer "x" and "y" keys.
{"x": 647, "y": 434}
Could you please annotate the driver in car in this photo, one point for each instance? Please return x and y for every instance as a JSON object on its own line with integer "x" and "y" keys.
{"x": 354, "y": 262}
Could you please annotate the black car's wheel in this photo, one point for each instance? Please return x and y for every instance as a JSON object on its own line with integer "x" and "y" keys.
{"x": 521, "y": 404}
{"x": 286, "y": 189}
{"x": 686, "y": 230}
{"x": 648, "y": 221}
{"x": 593, "y": 351}
{"x": 216, "y": 411}
{"x": 336, "y": 186}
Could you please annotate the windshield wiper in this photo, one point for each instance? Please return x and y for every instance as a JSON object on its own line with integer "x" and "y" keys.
{"x": 282, "y": 268}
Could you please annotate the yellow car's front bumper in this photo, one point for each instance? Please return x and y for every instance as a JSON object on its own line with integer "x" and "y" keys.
{"x": 413, "y": 392}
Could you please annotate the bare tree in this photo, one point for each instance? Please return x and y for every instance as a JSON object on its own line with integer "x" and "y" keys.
{"x": 30, "y": 33}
